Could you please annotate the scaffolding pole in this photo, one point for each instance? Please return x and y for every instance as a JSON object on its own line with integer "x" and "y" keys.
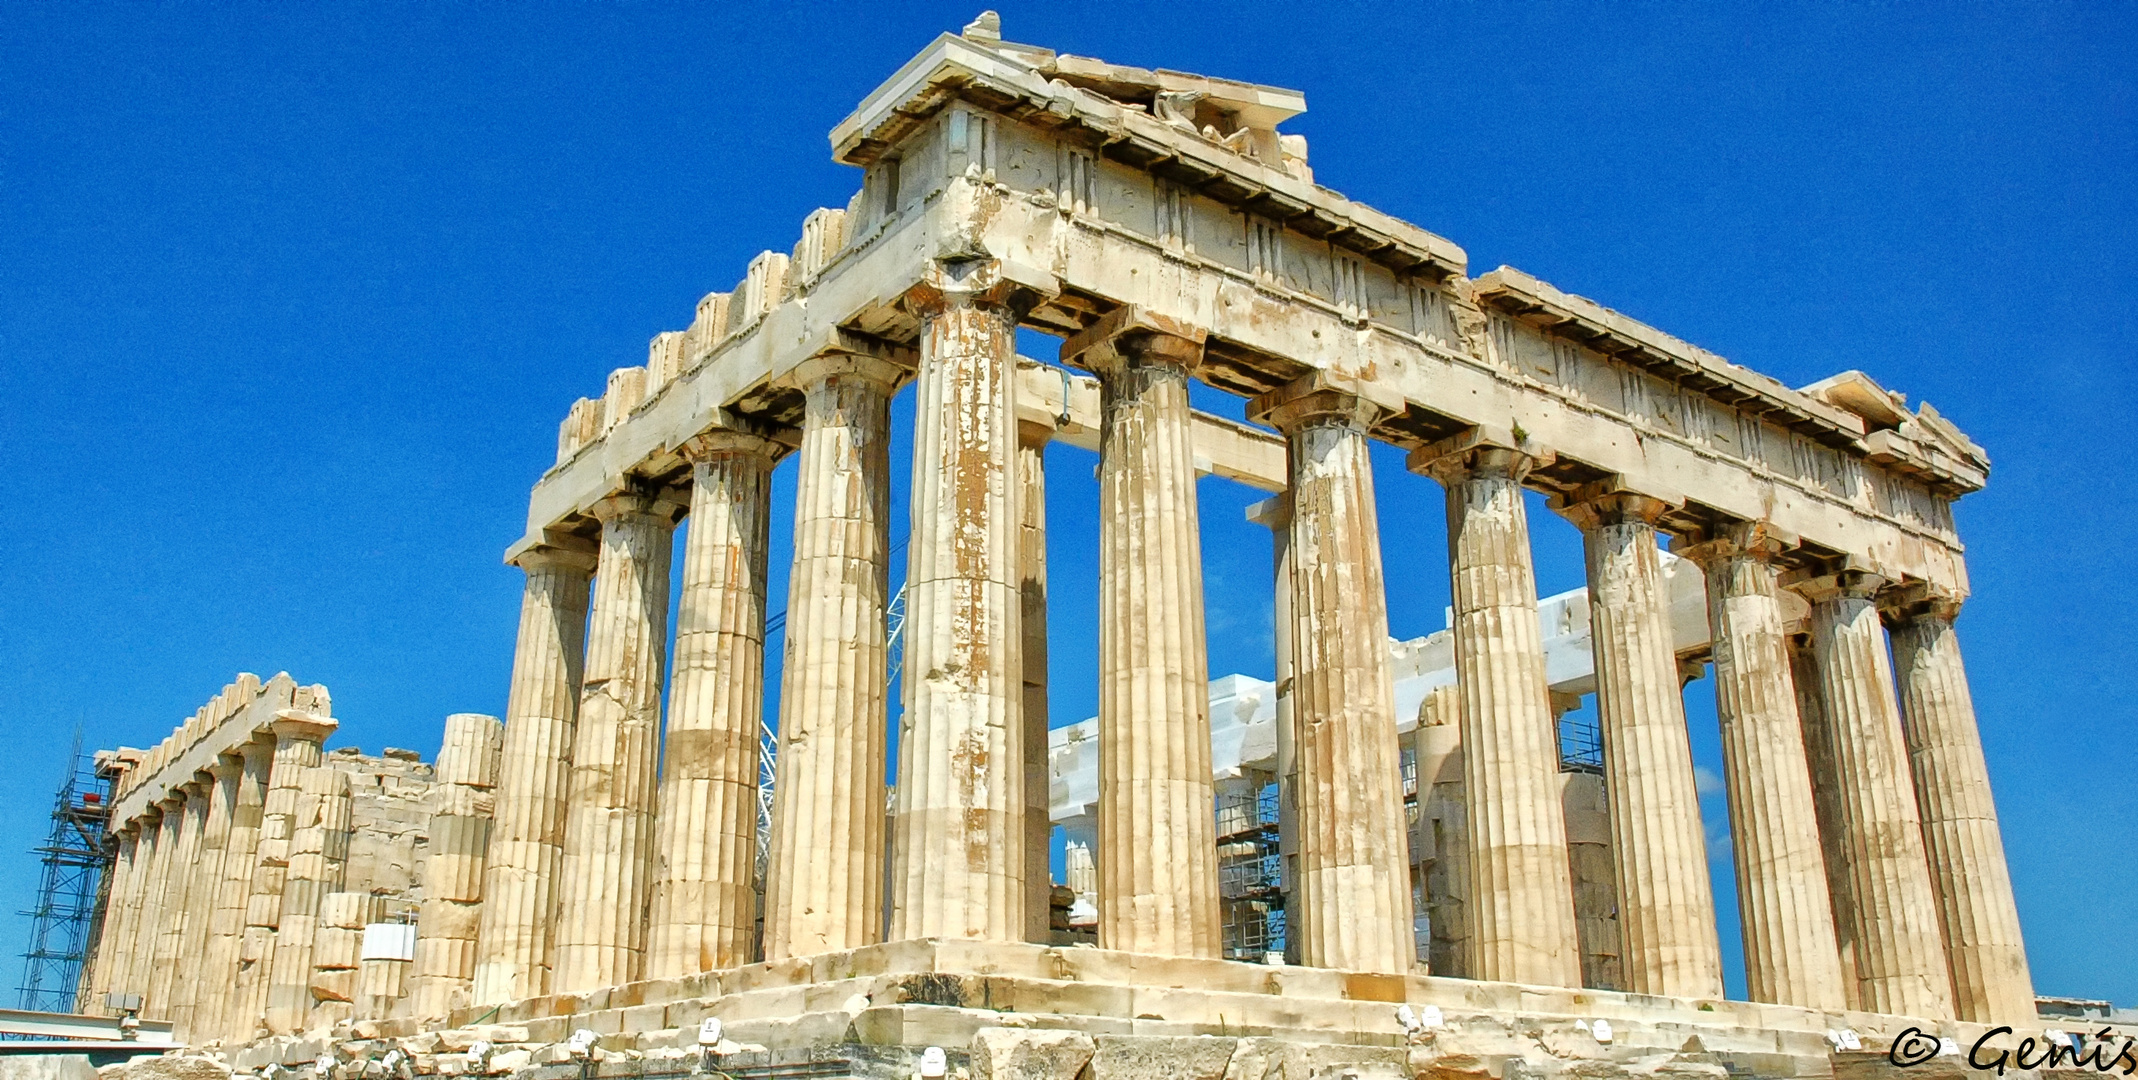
{"x": 71, "y": 893}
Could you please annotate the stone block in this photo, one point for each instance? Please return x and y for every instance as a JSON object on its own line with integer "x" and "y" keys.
{"x": 1131, "y": 1057}
{"x": 1026, "y": 1054}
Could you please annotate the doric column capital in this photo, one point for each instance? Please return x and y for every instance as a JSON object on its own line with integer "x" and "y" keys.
{"x": 884, "y": 375}
{"x": 1905, "y": 603}
{"x": 1479, "y": 452}
{"x": 1848, "y": 584}
{"x": 663, "y": 507}
{"x": 1706, "y": 548}
{"x": 229, "y": 763}
{"x": 1131, "y": 335}
{"x": 721, "y": 443}
{"x": 1007, "y": 287}
{"x": 1324, "y": 399}
{"x": 1594, "y": 506}
{"x": 294, "y": 725}
{"x": 579, "y": 555}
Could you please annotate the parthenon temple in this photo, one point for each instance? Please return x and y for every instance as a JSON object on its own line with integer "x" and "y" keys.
{"x": 1389, "y": 857}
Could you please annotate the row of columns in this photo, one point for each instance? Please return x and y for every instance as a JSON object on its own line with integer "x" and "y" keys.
{"x": 646, "y": 882}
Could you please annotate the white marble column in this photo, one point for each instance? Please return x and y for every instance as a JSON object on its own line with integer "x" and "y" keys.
{"x": 1032, "y": 439}
{"x": 183, "y": 862}
{"x": 1354, "y": 867}
{"x": 463, "y": 798}
{"x": 705, "y": 839}
{"x": 233, "y": 890}
{"x": 608, "y": 833}
{"x": 1521, "y": 912}
{"x": 1984, "y": 952}
{"x": 319, "y": 853}
{"x": 144, "y": 918}
{"x": 114, "y": 942}
{"x": 299, "y": 737}
{"x": 824, "y": 878}
{"x": 959, "y": 819}
{"x": 1900, "y": 961}
{"x": 1782, "y": 895}
{"x": 1157, "y": 832}
{"x": 1666, "y": 909}
{"x": 1828, "y": 809}
{"x": 518, "y": 920}
{"x": 193, "y": 983}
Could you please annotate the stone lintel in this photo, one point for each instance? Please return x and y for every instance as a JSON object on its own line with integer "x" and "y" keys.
{"x": 1610, "y": 501}
{"x": 1848, "y": 582}
{"x": 1132, "y": 329}
{"x": 960, "y": 277}
{"x": 1916, "y": 599}
{"x": 1728, "y": 538}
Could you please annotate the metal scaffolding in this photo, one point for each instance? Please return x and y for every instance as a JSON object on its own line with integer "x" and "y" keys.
{"x": 1250, "y": 869}
{"x": 71, "y": 893}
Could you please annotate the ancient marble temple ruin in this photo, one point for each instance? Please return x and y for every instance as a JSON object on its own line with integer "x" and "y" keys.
{"x": 597, "y": 865}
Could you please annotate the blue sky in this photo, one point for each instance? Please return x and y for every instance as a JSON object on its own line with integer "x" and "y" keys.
{"x": 292, "y": 299}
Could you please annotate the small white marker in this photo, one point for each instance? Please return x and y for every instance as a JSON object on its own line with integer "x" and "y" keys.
{"x": 1602, "y": 1030}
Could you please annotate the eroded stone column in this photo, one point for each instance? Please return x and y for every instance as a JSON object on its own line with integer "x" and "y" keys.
{"x": 1032, "y": 439}
{"x": 1157, "y": 832}
{"x": 959, "y": 817}
{"x": 705, "y": 841}
{"x": 319, "y": 852}
{"x": 1782, "y": 895}
{"x": 463, "y": 799}
{"x": 1354, "y": 870}
{"x": 608, "y": 834}
{"x": 1900, "y": 962}
{"x": 1827, "y": 804}
{"x": 824, "y": 879}
{"x": 298, "y": 739}
{"x": 1666, "y": 909}
{"x": 191, "y": 985}
{"x": 1984, "y": 952}
{"x": 189, "y": 812}
{"x": 518, "y": 924}
{"x": 1521, "y": 914}
{"x": 226, "y": 922}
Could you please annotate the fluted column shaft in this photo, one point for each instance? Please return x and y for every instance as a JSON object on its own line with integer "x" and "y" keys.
{"x": 1790, "y": 954}
{"x": 1827, "y": 806}
{"x": 824, "y": 880}
{"x": 1984, "y": 952}
{"x": 191, "y": 984}
{"x": 233, "y": 889}
{"x": 1900, "y": 962}
{"x": 183, "y": 862}
{"x": 140, "y": 940}
{"x": 1354, "y": 879}
{"x": 463, "y": 798}
{"x": 114, "y": 942}
{"x": 319, "y": 853}
{"x": 518, "y": 920}
{"x": 958, "y": 827}
{"x": 298, "y": 740}
{"x": 1032, "y": 442}
{"x": 1157, "y": 832}
{"x": 608, "y": 837}
{"x": 705, "y": 840}
{"x": 1666, "y": 908}
{"x": 1520, "y": 904}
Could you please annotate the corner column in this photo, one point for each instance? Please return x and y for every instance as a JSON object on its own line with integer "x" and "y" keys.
{"x": 1984, "y": 952}
{"x": 959, "y": 818}
{"x": 139, "y": 944}
{"x": 1791, "y": 957}
{"x": 1666, "y": 908}
{"x": 1900, "y": 962}
{"x": 299, "y": 737}
{"x": 608, "y": 832}
{"x": 121, "y": 901}
{"x": 824, "y": 879}
{"x": 226, "y": 923}
{"x": 462, "y": 803}
{"x": 1157, "y": 829}
{"x": 1520, "y": 906}
{"x": 319, "y": 852}
{"x": 1354, "y": 880}
{"x": 513, "y": 938}
{"x": 704, "y": 903}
